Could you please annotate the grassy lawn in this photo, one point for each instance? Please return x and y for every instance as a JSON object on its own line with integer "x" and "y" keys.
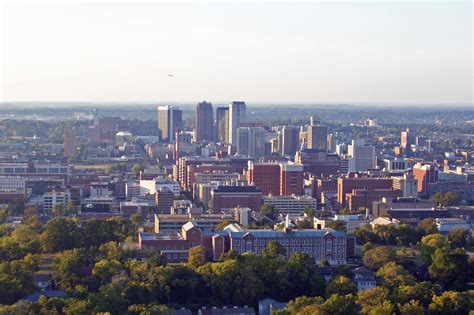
{"x": 46, "y": 265}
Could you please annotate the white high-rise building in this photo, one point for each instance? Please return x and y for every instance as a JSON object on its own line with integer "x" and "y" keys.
{"x": 251, "y": 141}
{"x": 361, "y": 156}
{"x": 237, "y": 115}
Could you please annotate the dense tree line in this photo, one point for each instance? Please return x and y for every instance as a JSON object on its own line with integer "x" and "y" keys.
{"x": 99, "y": 275}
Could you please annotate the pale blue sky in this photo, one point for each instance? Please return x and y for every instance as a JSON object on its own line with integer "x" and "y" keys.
{"x": 360, "y": 52}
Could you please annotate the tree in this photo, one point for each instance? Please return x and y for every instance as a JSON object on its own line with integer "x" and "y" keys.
{"x": 69, "y": 267}
{"x": 447, "y": 199}
{"x": 155, "y": 309}
{"x": 429, "y": 226}
{"x": 336, "y": 225}
{"x": 137, "y": 220}
{"x": 76, "y": 307}
{"x": 339, "y": 305}
{"x": 71, "y": 209}
{"x": 16, "y": 280}
{"x": 378, "y": 256}
{"x": 310, "y": 213}
{"x": 58, "y": 210}
{"x": 429, "y": 244}
{"x": 197, "y": 257}
{"x": 298, "y": 304}
{"x": 30, "y": 212}
{"x": 106, "y": 268}
{"x": 386, "y": 308}
{"x": 370, "y": 298}
{"x": 274, "y": 250}
{"x": 412, "y": 308}
{"x": 223, "y": 224}
{"x": 366, "y": 235}
{"x": 137, "y": 168}
{"x": 394, "y": 275}
{"x": 422, "y": 292}
{"x": 60, "y": 234}
{"x": 108, "y": 299}
{"x": 407, "y": 235}
{"x": 450, "y": 267}
{"x": 324, "y": 263}
{"x": 458, "y": 237}
{"x": 451, "y": 302}
{"x": 303, "y": 224}
{"x": 341, "y": 285}
{"x": 268, "y": 210}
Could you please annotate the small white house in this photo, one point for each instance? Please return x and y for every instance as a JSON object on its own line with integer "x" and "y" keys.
{"x": 364, "y": 278}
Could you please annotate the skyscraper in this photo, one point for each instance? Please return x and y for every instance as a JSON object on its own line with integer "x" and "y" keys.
{"x": 237, "y": 115}
{"x": 169, "y": 121}
{"x": 407, "y": 138}
{"x": 69, "y": 143}
{"x": 317, "y": 135}
{"x": 251, "y": 141}
{"x": 361, "y": 156}
{"x": 289, "y": 140}
{"x": 204, "y": 121}
{"x": 222, "y": 117}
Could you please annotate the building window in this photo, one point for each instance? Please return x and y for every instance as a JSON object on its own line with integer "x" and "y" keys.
{"x": 329, "y": 246}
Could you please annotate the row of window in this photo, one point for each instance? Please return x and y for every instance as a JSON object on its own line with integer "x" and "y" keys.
{"x": 308, "y": 249}
{"x": 293, "y": 241}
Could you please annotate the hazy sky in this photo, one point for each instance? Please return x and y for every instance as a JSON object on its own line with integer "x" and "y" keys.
{"x": 401, "y": 52}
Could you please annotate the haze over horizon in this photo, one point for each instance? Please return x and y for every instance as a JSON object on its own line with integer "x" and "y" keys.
{"x": 350, "y": 53}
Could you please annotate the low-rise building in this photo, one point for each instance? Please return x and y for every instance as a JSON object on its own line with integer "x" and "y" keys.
{"x": 364, "y": 278}
{"x": 291, "y": 205}
{"x": 172, "y": 223}
{"x": 52, "y": 198}
{"x": 150, "y": 187}
{"x": 352, "y": 221}
{"x": 445, "y": 225}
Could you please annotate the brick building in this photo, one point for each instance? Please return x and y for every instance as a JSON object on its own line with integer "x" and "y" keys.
{"x": 234, "y": 196}
{"x": 265, "y": 176}
{"x": 348, "y": 184}
{"x": 364, "y": 198}
{"x": 291, "y": 179}
{"x": 334, "y": 246}
{"x": 164, "y": 200}
{"x": 426, "y": 174}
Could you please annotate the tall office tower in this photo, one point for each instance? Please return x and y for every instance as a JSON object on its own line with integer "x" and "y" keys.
{"x": 361, "y": 156}
{"x": 332, "y": 142}
{"x": 317, "y": 135}
{"x": 95, "y": 117}
{"x": 237, "y": 115}
{"x": 407, "y": 183}
{"x": 251, "y": 141}
{"x": 69, "y": 143}
{"x": 426, "y": 174}
{"x": 204, "y": 121}
{"x": 222, "y": 117}
{"x": 407, "y": 138}
{"x": 170, "y": 120}
{"x": 289, "y": 140}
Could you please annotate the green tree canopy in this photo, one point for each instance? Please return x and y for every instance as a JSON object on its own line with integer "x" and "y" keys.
{"x": 341, "y": 285}
{"x": 197, "y": 257}
{"x": 378, "y": 256}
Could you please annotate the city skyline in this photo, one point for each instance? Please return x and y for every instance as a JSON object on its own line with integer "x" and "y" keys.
{"x": 417, "y": 53}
